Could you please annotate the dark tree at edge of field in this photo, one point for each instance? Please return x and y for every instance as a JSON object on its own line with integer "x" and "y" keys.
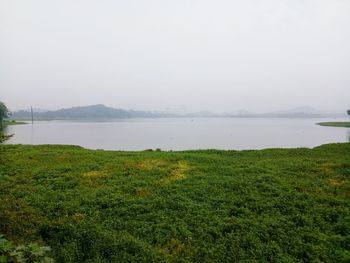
{"x": 4, "y": 112}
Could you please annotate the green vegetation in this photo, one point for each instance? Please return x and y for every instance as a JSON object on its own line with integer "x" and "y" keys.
{"x": 31, "y": 253}
{"x": 335, "y": 124}
{"x": 275, "y": 205}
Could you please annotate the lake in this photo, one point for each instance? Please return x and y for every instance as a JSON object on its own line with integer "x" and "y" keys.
{"x": 181, "y": 133}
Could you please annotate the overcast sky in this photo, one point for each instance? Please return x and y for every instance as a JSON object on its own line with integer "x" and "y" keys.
{"x": 260, "y": 55}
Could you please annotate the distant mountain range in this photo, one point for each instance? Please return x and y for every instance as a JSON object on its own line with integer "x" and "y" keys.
{"x": 300, "y": 112}
{"x": 103, "y": 112}
{"x": 89, "y": 112}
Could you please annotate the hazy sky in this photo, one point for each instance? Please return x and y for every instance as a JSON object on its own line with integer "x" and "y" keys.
{"x": 260, "y": 55}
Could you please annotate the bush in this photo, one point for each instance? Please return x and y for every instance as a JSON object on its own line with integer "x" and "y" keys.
{"x": 30, "y": 253}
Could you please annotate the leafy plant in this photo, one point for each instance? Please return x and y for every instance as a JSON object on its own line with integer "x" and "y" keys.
{"x": 274, "y": 205}
{"x": 30, "y": 253}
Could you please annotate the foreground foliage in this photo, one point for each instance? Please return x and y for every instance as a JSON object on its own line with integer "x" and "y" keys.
{"x": 30, "y": 253}
{"x": 276, "y": 205}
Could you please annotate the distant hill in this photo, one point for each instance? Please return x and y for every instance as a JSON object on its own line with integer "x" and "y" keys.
{"x": 89, "y": 112}
{"x": 101, "y": 112}
{"x": 300, "y": 112}
{"x": 304, "y": 110}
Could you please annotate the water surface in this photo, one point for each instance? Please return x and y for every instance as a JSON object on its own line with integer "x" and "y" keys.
{"x": 181, "y": 133}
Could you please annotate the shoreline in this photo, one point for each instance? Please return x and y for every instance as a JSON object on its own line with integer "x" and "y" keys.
{"x": 339, "y": 124}
{"x": 14, "y": 122}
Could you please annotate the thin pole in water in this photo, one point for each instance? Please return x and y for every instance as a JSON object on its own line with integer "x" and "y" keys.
{"x": 31, "y": 110}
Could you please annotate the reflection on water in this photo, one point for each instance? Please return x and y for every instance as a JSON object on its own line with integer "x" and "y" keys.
{"x": 181, "y": 134}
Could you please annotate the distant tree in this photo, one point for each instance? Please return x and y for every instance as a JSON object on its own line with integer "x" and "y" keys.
{"x": 4, "y": 112}
{"x": 349, "y": 112}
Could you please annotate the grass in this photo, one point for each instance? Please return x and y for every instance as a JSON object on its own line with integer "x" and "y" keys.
{"x": 335, "y": 124}
{"x": 274, "y": 205}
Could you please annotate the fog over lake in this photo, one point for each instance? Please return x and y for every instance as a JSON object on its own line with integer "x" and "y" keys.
{"x": 181, "y": 133}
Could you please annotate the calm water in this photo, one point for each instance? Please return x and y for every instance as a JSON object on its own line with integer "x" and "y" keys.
{"x": 181, "y": 134}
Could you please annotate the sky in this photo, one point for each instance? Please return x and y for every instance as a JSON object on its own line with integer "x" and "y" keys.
{"x": 183, "y": 55}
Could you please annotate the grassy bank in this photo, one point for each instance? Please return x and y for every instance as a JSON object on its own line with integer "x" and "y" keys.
{"x": 335, "y": 124}
{"x": 277, "y": 205}
{"x": 13, "y": 122}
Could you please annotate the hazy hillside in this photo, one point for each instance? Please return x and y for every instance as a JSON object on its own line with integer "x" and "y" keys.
{"x": 89, "y": 112}
{"x": 299, "y": 112}
{"x": 100, "y": 111}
